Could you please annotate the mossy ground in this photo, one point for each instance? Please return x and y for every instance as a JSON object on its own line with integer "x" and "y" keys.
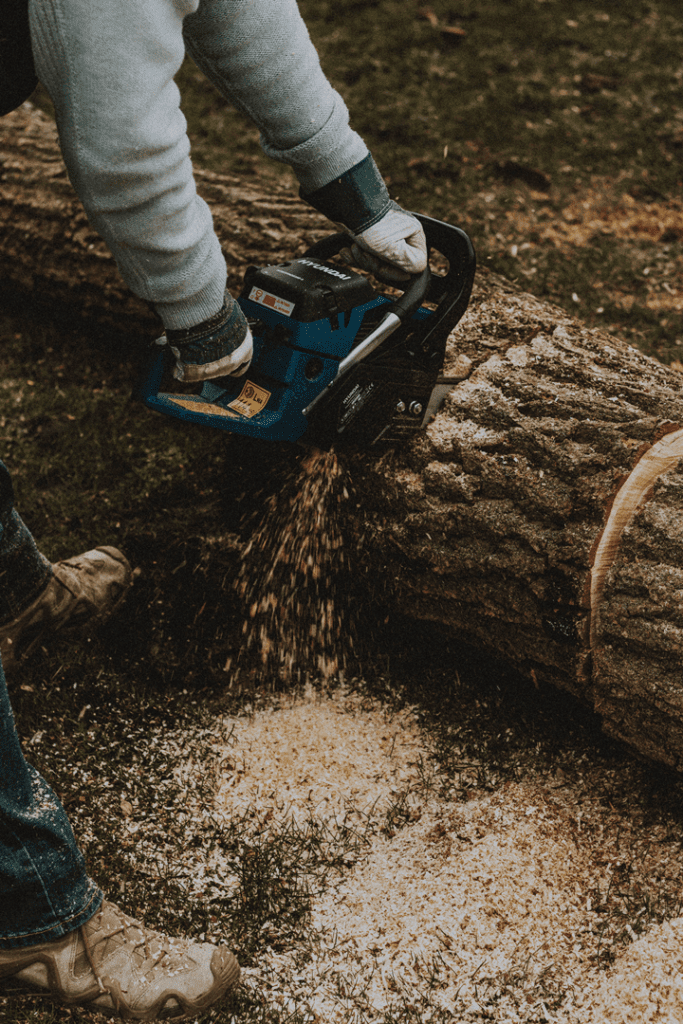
{"x": 542, "y": 120}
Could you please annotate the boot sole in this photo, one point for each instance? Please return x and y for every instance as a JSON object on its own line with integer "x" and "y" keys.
{"x": 159, "y": 1011}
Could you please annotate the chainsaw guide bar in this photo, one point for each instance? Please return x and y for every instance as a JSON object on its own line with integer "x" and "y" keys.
{"x": 335, "y": 362}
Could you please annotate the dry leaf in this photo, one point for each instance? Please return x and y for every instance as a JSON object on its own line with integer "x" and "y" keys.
{"x": 451, "y": 30}
{"x": 429, "y": 15}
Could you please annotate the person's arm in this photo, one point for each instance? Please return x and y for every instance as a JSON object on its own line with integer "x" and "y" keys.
{"x": 260, "y": 56}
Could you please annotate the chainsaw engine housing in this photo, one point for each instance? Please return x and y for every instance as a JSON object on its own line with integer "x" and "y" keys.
{"x": 306, "y": 316}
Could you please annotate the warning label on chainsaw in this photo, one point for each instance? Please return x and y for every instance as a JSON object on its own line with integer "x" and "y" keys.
{"x": 353, "y": 403}
{"x": 196, "y": 405}
{"x": 271, "y": 301}
{"x": 251, "y": 400}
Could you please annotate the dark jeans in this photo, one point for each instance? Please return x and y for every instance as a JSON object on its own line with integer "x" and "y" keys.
{"x": 24, "y": 572}
{"x": 44, "y": 889}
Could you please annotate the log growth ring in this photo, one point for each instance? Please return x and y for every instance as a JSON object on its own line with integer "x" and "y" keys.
{"x": 660, "y": 458}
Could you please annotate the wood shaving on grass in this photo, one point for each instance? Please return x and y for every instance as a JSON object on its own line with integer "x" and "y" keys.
{"x": 487, "y": 908}
{"x": 377, "y": 893}
{"x": 323, "y": 756}
{"x": 646, "y": 984}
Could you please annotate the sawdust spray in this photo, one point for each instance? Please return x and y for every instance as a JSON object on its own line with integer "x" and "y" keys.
{"x": 296, "y": 622}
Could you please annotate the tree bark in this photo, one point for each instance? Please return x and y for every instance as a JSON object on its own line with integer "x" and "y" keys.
{"x": 538, "y": 517}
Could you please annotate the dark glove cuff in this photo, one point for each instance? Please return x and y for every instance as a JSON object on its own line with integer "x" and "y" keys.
{"x": 358, "y": 199}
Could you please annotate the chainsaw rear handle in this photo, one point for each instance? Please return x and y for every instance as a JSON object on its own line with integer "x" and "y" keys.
{"x": 416, "y": 288}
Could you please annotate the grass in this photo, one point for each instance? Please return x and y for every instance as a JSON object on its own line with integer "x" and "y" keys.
{"x": 552, "y": 132}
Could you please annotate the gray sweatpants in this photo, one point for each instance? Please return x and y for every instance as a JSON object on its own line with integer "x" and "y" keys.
{"x": 109, "y": 65}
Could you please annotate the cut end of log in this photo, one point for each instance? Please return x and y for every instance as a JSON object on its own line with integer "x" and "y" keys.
{"x": 661, "y": 457}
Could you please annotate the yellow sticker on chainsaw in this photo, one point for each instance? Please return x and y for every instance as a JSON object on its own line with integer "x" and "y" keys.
{"x": 251, "y": 400}
{"x": 197, "y": 405}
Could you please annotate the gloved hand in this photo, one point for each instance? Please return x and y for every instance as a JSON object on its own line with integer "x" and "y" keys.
{"x": 388, "y": 242}
{"x": 221, "y": 346}
{"x": 393, "y": 249}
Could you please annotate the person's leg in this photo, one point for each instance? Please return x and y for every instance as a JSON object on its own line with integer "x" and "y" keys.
{"x": 24, "y": 572}
{"x": 60, "y": 937}
{"x": 45, "y": 889}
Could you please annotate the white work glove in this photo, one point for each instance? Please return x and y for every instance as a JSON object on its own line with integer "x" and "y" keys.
{"x": 387, "y": 241}
{"x": 393, "y": 249}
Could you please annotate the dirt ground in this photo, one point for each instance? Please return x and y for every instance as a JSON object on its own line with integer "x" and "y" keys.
{"x": 433, "y": 839}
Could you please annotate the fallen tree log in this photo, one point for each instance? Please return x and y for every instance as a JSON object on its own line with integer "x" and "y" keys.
{"x": 538, "y": 517}
{"x": 540, "y": 513}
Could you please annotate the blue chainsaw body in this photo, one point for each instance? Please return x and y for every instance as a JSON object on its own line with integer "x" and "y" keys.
{"x": 280, "y": 373}
{"x": 306, "y": 317}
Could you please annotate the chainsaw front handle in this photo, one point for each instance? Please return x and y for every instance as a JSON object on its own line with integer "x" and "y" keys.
{"x": 450, "y": 293}
{"x": 328, "y": 247}
{"x": 416, "y": 288}
{"x": 414, "y": 295}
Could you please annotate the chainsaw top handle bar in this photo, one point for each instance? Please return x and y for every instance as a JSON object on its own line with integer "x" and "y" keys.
{"x": 416, "y": 287}
{"x": 450, "y": 291}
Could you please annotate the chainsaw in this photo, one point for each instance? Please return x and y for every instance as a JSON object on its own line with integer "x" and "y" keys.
{"x": 335, "y": 361}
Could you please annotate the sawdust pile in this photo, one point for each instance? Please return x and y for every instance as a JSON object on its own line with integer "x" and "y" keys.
{"x": 329, "y": 756}
{"x": 294, "y": 624}
{"x": 620, "y": 217}
{"x": 488, "y": 909}
{"x": 605, "y": 210}
{"x": 601, "y": 209}
{"x": 492, "y": 891}
{"x": 646, "y": 984}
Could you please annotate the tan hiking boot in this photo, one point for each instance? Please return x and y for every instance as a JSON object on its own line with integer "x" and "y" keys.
{"x": 84, "y": 589}
{"x": 117, "y": 966}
